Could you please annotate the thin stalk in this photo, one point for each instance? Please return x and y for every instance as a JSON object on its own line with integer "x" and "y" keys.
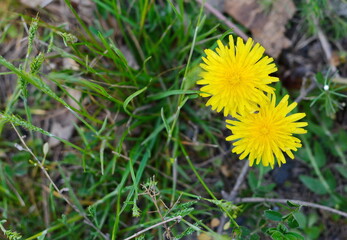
{"x": 316, "y": 168}
{"x": 205, "y": 186}
{"x": 80, "y": 21}
{"x": 55, "y": 227}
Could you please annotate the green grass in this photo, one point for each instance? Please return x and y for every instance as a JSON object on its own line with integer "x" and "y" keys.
{"x": 140, "y": 132}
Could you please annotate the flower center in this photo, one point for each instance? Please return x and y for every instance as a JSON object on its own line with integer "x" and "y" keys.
{"x": 264, "y": 131}
{"x": 234, "y": 78}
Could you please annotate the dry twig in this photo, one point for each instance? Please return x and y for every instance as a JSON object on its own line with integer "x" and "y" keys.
{"x": 232, "y": 195}
{"x": 178, "y": 218}
{"x": 221, "y": 17}
{"x": 299, "y": 202}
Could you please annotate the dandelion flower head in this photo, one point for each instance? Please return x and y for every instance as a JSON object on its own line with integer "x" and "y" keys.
{"x": 267, "y": 133}
{"x": 236, "y": 77}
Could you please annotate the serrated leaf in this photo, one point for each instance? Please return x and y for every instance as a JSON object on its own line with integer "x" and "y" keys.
{"x": 273, "y": 215}
{"x": 313, "y": 184}
{"x": 191, "y": 229}
{"x": 183, "y": 212}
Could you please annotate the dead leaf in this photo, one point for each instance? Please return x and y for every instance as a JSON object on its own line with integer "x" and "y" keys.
{"x": 69, "y": 63}
{"x": 267, "y": 28}
{"x": 204, "y": 236}
{"x": 215, "y": 222}
{"x": 62, "y": 127}
{"x": 226, "y": 171}
{"x": 226, "y": 226}
{"x": 129, "y": 57}
{"x": 63, "y": 122}
{"x": 217, "y": 4}
{"x": 36, "y": 3}
{"x": 85, "y": 9}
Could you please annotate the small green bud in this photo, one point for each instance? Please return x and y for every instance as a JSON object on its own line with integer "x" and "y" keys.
{"x": 32, "y": 33}
{"x": 37, "y": 63}
{"x": 68, "y": 38}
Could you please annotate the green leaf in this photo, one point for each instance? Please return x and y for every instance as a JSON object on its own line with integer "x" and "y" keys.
{"x": 245, "y": 231}
{"x": 293, "y": 236}
{"x": 302, "y": 154}
{"x": 330, "y": 179}
{"x": 267, "y": 188}
{"x": 342, "y": 140}
{"x": 316, "y": 129}
{"x": 319, "y": 154}
{"x": 312, "y": 219}
{"x": 254, "y": 237}
{"x": 313, "y": 184}
{"x": 42, "y": 236}
{"x": 291, "y": 204}
{"x": 300, "y": 218}
{"x": 131, "y": 97}
{"x": 167, "y": 126}
{"x": 277, "y": 235}
{"x": 320, "y": 78}
{"x": 313, "y": 232}
{"x": 281, "y": 227}
{"x": 273, "y": 215}
{"x": 170, "y": 93}
{"x": 252, "y": 180}
{"x": 192, "y": 76}
{"x": 342, "y": 170}
{"x": 292, "y": 223}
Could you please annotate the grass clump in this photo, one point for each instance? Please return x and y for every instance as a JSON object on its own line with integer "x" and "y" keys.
{"x": 135, "y": 154}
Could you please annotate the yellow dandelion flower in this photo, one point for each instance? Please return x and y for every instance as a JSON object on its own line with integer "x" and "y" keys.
{"x": 236, "y": 77}
{"x": 264, "y": 134}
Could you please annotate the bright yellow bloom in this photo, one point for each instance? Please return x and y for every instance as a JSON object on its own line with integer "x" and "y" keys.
{"x": 236, "y": 77}
{"x": 265, "y": 133}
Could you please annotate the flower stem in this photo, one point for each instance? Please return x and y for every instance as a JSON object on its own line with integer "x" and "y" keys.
{"x": 204, "y": 184}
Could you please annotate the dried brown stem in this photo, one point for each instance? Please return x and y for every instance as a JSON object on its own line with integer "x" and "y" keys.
{"x": 304, "y": 91}
{"x": 232, "y": 195}
{"x": 326, "y": 48}
{"x": 178, "y": 218}
{"x": 303, "y": 203}
{"x": 221, "y": 17}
